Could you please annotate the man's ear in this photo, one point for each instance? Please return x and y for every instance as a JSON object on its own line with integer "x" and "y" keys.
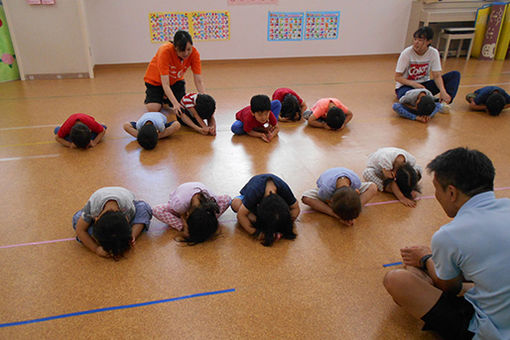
{"x": 453, "y": 193}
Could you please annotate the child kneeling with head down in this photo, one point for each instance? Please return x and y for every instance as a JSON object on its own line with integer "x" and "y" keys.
{"x": 328, "y": 113}
{"x": 491, "y": 99}
{"x": 293, "y": 105}
{"x": 80, "y": 131}
{"x": 194, "y": 210}
{"x": 151, "y": 127}
{"x": 395, "y": 171}
{"x": 340, "y": 194}
{"x": 259, "y": 120}
{"x": 111, "y": 221}
{"x": 198, "y": 107}
{"x": 417, "y": 104}
{"x": 267, "y": 209}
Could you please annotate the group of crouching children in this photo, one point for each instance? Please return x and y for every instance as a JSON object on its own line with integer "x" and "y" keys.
{"x": 266, "y": 208}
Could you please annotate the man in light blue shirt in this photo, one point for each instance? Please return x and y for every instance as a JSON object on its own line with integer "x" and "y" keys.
{"x": 461, "y": 287}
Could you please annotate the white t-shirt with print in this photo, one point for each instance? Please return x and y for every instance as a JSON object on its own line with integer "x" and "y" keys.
{"x": 417, "y": 67}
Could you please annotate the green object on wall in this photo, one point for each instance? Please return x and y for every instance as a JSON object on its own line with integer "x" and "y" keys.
{"x": 8, "y": 65}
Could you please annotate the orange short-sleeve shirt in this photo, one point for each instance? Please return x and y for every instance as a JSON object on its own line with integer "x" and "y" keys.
{"x": 167, "y": 63}
{"x": 320, "y": 108}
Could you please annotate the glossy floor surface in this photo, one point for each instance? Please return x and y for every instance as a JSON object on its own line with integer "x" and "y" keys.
{"x": 326, "y": 284}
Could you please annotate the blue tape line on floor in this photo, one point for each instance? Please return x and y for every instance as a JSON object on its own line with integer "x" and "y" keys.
{"x": 99, "y": 310}
{"x": 392, "y": 264}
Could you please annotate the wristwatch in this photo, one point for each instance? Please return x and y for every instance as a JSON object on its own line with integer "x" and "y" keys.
{"x": 423, "y": 261}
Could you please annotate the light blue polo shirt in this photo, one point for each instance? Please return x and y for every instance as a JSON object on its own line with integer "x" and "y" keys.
{"x": 476, "y": 244}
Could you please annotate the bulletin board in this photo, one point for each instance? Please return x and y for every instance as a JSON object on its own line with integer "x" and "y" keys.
{"x": 210, "y": 25}
{"x": 294, "y": 26}
{"x": 285, "y": 26}
{"x": 321, "y": 25}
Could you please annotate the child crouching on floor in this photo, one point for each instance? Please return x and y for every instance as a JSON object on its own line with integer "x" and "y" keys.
{"x": 491, "y": 99}
{"x": 197, "y": 108}
{"x": 340, "y": 194}
{"x": 259, "y": 120}
{"x": 293, "y": 105}
{"x": 151, "y": 127}
{"x": 417, "y": 104}
{"x": 328, "y": 113}
{"x": 267, "y": 209}
{"x": 194, "y": 210}
{"x": 111, "y": 221}
{"x": 395, "y": 171}
{"x": 80, "y": 131}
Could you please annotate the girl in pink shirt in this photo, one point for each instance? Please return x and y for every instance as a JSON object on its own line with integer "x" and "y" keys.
{"x": 194, "y": 210}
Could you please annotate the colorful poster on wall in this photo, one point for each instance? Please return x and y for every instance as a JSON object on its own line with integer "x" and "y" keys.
{"x": 201, "y": 25}
{"x": 285, "y": 26}
{"x": 210, "y": 25}
{"x": 321, "y": 25}
{"x": 163, "y": 25}
{"x": 252, "y": 2}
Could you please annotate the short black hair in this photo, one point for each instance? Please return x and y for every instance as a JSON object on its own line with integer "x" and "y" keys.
{"x": 346, "y": 203}
{"x": 113, "y": 232}
{"x": 260, "y": 102}
{"x": 147, "y": 136}
{"x": 290, "y": 107}
{"x": 335, "y": 117}
{"x": 495, "y": 103}
{"x": 205, "y": 105}
{"x": 468, "y": 170}
{"x": 426, "y": 106}
{"x": 407, "y": 179}
{"x": 273, "y": 216}
{"x": 80, "y": 135}
{"x": 424, "y": 32}
{"x": 181, "y": 40}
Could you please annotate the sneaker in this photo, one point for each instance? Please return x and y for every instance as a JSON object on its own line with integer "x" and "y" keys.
{"x": 445, "y": 108}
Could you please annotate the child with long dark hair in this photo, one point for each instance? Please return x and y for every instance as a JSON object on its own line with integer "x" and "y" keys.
{"x": 267, "y": 209}
{"x": 194, "y": 210}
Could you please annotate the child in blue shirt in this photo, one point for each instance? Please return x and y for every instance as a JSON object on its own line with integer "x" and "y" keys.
{"x": 492, "y": 99}
{"x": 340, "y": 194}
{"x": 267, "y": 208}
{"x": 151, "y": 127}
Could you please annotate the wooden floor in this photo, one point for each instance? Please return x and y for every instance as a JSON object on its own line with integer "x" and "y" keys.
{"x": 327, "y": 284}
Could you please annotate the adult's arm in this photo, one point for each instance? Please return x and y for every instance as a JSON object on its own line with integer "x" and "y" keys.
{"x": 399, "y": 77}
{"x": 438, "y": 79}
{"x": 199, "y": 82}
{"x": 165, "y": 83}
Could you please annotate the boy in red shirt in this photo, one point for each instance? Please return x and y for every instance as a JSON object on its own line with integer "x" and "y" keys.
{"x": 80, "y": 131}
{"x": 259, "y": 120}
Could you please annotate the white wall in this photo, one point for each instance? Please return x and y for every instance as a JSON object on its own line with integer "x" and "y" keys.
{"x": 119, "y": 30}
{"x": 49, "y": 39}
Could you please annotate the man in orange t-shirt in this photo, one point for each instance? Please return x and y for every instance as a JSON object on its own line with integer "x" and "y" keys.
{"x": 164, "y": 78}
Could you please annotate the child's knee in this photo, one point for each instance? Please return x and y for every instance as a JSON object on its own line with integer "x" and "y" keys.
{"x": 237, "y": 127}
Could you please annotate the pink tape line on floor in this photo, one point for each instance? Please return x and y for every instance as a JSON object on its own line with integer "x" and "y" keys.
{"x": 36, "y": 243}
